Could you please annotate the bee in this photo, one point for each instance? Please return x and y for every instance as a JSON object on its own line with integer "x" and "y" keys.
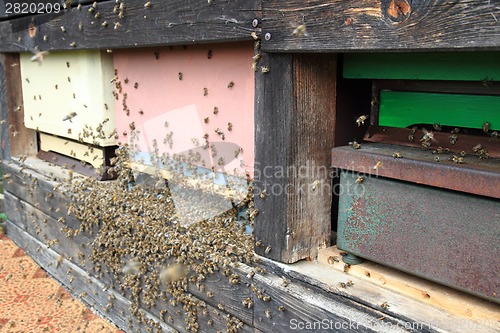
{"x": 255, "y": 60}
{"x": 220, "y": 133}
{"x": 179, "y": 76}
{"x": 457, "y": 160}
{"x": 216, "y": 110}
{"x": 63, "y": 29}
{"x": 333, "y": 259}
{"x": 342, "y": 285}
{"x": 437, "y": 159}
{"x": 230, "y": 84}
{"x": 117, "y": 25}
{"x": 141, "y": 112}
{"x": 267, "y": 250}
{"x": 437, "y": 127}
{"x": 428, "y": 136}
{"x": 486, "y": 127}
{"x": 206, "y": 120}
{"x": 229, "y": 127}
{"x": 39, "y": 56}
{"x": 70, "y": 116}
{"x": 350, "y": 283}
{"x": 411, "y": 137}
{"x": 494, "y": 135}
{"x": 209, "y": 54}
{"x": 266, "y": 298}
{"x": 264, "y": 69}
{"x": 263, "y": 194}
{"x": 166, "y": 124}
{"x": 355, "y": 145}
{"x": 72, "y": 44}
{"x": 268, "y": 313}
{"x": 254, "y": 35}
{"x": 299, "y": 30}
{"x": 463, "y": 153}
{"x": 377, "y": 166}
{"x": 172, "y": 273}
{"x": 397, "y": 155}
{"x": 148, "y": 4}
{"x": 360, "y": 179}
{"x": 346, "y": 268}
{"x": 281, "y": 308}
{"x": 80, "y": 26}
{"x": 453, "y": 139}
{"x": 361, "y": 120}
{"x": 69, "y": 130}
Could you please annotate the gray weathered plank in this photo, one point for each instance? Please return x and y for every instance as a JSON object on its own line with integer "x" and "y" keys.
{"x": 341, "y": 25}
{"x": 164, "y": 23}
{"x": 294, "y": 121}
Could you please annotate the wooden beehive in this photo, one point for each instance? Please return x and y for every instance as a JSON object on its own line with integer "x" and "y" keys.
{"x": 175, "y": 96}
{"x": 72, "y": 85}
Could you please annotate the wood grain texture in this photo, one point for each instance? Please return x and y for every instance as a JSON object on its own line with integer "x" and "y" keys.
{"x": 4, "y": 107}
{"x": 22, "y": 140}
{"x": 295, "y": 105}
{"x": 402, "y": 25}
{"x": 164, "y": 23}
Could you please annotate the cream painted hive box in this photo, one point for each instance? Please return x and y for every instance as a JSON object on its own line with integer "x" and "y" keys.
{"x": 69, "y": 95}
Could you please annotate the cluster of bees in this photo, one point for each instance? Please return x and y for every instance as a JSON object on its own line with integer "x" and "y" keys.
{"x": 151, "y": 256}
{"x": 428, "y": 138}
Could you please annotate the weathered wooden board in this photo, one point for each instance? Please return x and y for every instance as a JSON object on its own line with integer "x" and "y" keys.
{"x": 4, "y": 107}
{"x": 294, "y": 118}
{"x": 446, "y": 299}
{"x": 22, "y": 140}
{"x": 164, "y": 23}
{"x": 341, "y": 25}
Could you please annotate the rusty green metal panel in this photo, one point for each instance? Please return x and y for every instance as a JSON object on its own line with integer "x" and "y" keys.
{"x": 449, "y": 237}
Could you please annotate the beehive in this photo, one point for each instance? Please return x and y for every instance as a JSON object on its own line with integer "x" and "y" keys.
{"x": 72, "y": 85}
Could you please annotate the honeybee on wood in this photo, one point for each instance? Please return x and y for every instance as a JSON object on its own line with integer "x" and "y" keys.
{"x": 361, "y": 120}
{"x": 264, "y": 70}
{"x": 148, "y": 4}
{"x": 437, "y": 127}
{"x": 377, "y": 166}
{"x": 300, "y": 30}
{"x": 384, "y": 306}
{"x": 397, "y": 155}
{"x": 453, "y": 138}
{"x": 486, "y": 127}
{"x": 428, "y": 136}
{"x": 355, "y": 145}
{"x": 360, "y": 179}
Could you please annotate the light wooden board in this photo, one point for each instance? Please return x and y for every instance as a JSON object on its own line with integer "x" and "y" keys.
{"x": 76, "y": 150}
{"x": 446, "y": 299}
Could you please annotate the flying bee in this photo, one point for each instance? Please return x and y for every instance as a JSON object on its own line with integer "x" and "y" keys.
{"x": 172, "y": 273}
{"x": 148, "y": 4}
{"x": 70, "y": 116}
{"x": 132, "y": 267}
{"x": 361, "y": 120}
{"x": 299, "y": 30}
{"x": 486, "y": 127}
{"x": 38, "y": 57}
{"x": 355, "y": 145}
{"x": 428, "y": 136}
{"x": 377, "y": 166}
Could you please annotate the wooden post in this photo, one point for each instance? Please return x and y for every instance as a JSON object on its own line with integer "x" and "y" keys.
{"x": 294, "y": 131}
{"x": 16, "y": 139}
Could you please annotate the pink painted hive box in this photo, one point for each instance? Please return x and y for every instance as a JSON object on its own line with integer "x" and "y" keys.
{"x": 188, "y": 101}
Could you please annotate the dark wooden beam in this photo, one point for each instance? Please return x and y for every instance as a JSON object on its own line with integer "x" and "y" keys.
{"x": 163, "y": 23}
{"x": 373, "y": 25}
{"x": 294, "y": 129}
{"x": 21, "y": 140}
